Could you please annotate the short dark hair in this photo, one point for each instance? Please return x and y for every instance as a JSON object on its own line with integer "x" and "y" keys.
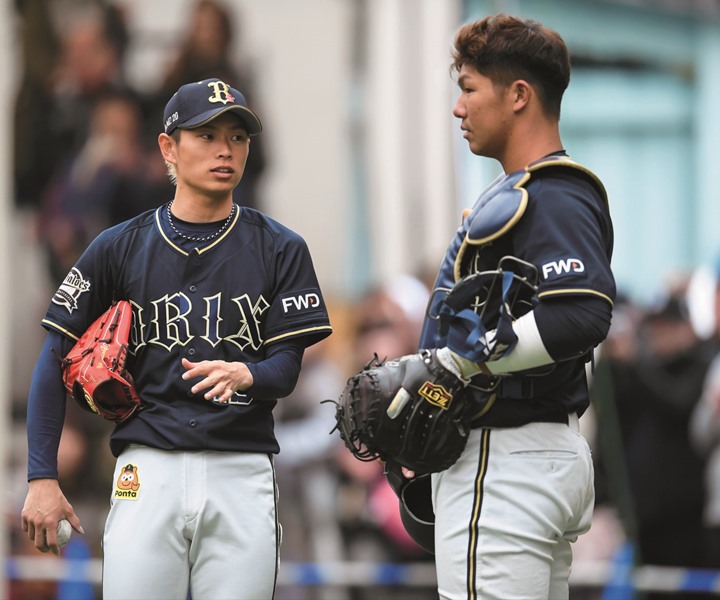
{"x": 506, "y": 48}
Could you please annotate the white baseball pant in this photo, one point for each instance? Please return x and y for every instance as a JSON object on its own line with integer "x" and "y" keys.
{"x": 508, "y": 510}
{"x": 199, "y": 522}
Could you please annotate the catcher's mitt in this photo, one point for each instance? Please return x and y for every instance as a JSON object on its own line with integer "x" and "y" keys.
{"x": 411, "y": 411}
{"x": 94, "y": 371}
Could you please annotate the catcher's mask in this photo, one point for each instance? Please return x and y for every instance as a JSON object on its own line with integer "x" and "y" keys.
{"x": 482, "y": 302}
{"x": 416, "y": 510}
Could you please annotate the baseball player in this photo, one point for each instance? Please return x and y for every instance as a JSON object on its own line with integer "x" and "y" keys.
{"x": 507, "y": 511}
{"x": 225, "y": 299}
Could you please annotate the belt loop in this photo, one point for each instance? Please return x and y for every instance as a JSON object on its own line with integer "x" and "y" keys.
{"x": 528, "y": 387}
{"x": 574, "y": 422}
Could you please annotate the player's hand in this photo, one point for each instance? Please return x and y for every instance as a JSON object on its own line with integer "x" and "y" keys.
{"x": 219, "y": 379}
{"x": 407, "y": 473}
{"x": 45, "y": 505}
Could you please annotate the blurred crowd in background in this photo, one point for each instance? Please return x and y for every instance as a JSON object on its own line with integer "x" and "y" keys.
{"x": 86, "y": 158}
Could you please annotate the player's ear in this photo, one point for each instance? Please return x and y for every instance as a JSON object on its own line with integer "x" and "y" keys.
{"x": 520, "y": 91}
{"x": 167, "y": 147}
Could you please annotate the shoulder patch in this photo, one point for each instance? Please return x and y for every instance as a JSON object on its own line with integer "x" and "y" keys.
{"x": 563, "y": 266}
{"x": 300, "y": 302}
{"x": 71, "y": 289}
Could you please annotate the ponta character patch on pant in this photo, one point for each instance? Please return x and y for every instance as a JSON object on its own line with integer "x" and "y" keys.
{"x": 127, "y": 485}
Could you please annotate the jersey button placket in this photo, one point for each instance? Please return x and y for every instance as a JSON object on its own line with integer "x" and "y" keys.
{"x": 191, "y": 352}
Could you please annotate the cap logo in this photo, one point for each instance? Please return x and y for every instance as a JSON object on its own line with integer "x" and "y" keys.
{"x": 221, "y": 92}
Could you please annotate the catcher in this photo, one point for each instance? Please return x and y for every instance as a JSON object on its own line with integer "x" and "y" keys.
{"x": 480, "y": 430}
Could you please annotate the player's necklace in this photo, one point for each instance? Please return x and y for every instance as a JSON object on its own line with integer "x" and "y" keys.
{"x": 207, "y": 238}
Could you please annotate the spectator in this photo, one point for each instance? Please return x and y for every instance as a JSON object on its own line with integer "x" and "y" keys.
{"x": 305, "y": 469}
{"x": 207, "y": 47}
{"x": 77, "y": 463}
{"x": 387, "y": 323}
{"x": 207, "y": 50}
{"x": 59, "y": 89}
{"x": 111, "y": 178}
{"x": 655, "y": 378}
{"x": 34, "y": 157}
{"x": 705, "y": 434}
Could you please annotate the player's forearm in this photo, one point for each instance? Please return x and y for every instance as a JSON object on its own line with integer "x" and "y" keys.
{"x": 277, "y": 375}
{"x": 45, "y": 411}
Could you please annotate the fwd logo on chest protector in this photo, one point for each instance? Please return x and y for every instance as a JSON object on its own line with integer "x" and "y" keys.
{"x": 300, "y": 302}
{"x": 561, "y": 267}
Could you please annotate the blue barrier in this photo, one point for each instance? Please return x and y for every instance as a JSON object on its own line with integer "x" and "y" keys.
{"x": 700, "y": 581}
{"x": 366, "y": 574}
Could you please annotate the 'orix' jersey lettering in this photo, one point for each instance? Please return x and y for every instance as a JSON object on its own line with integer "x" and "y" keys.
{"x": 175, "y": 320}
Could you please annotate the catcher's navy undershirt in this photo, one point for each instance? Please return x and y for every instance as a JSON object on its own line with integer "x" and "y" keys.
{"x": 275, "y": 376}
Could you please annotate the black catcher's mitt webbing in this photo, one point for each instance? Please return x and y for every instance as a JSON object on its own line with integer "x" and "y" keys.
{"x": 412, "y": 411}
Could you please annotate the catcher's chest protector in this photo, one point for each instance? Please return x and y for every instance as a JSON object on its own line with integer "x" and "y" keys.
{"x": 499, "y": 209}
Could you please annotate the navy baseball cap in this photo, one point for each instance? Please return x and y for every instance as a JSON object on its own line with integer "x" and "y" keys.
{"x": 195, "y": 104}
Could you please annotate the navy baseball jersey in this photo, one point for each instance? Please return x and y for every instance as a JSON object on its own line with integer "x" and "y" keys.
{"x": 201, "y": 304}
{"x": 553, "y": 214}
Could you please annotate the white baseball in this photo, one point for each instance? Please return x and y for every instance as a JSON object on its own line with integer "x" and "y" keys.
{"x": 64, "y": 532}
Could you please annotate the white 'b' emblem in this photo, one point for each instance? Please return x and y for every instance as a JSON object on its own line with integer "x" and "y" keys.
{"x": 221, "y": 92}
